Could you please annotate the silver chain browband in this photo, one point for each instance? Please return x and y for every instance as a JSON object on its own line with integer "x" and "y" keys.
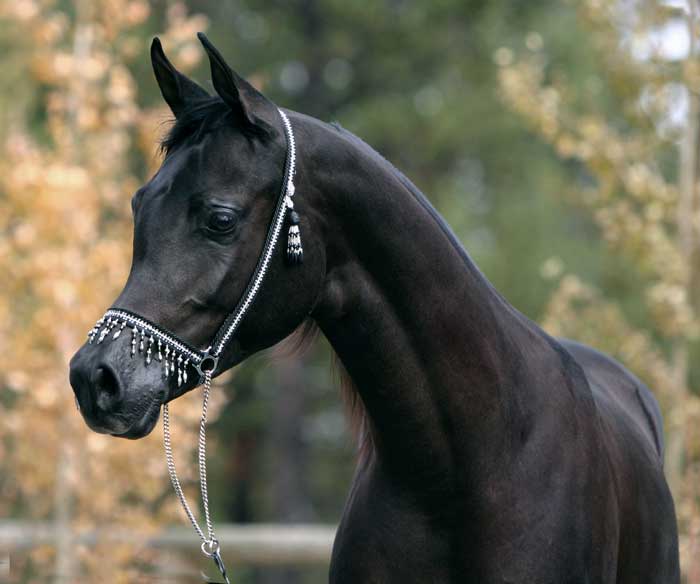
{"x": 176, "y": 355}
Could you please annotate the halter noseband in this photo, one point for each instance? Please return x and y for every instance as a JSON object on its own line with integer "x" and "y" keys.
{"x": 178, "y": 355}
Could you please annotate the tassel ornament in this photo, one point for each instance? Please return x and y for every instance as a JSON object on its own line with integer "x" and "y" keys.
{"x": 295, "y": 252}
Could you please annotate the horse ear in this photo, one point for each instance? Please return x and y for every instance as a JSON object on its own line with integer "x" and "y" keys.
{"x": 250, "y": 106}
{"x": 177, "y": 89}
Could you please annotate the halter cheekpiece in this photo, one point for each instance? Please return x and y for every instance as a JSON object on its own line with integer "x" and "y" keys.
{"x": 179, "y": 357}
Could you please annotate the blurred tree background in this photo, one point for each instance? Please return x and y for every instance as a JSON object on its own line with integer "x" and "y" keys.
{"x": 559, "y": 138}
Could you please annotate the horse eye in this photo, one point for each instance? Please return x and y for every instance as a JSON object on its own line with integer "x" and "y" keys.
{"x": 221, "y": 221}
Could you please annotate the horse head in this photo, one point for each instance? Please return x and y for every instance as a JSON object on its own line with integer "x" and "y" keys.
{"x": 201, "y": 224}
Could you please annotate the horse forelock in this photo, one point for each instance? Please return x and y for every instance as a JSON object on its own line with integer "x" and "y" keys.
{"x": 201, "y": 117}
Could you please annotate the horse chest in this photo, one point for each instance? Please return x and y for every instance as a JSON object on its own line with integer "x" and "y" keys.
{"x": 384, "y": 537}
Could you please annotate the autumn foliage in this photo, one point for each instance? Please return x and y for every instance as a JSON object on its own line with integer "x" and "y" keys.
{"x": 66, "y": 178}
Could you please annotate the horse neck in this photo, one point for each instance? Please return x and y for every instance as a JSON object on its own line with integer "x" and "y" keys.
{"x": 419, "y": 329}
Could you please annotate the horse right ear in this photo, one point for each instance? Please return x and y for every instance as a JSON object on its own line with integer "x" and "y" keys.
{"x": 177, "y": 89}
{"x": 252, "y": 109}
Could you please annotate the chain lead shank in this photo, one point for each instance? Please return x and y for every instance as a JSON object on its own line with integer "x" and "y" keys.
{"x": 210, "y": 545}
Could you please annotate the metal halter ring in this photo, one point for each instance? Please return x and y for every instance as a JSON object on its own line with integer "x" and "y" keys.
{"x": 211, "y": 548}
{"x": 208, "y": 364}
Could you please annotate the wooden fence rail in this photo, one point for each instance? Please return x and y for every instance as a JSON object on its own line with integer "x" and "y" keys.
{"x": 258, "y": 544}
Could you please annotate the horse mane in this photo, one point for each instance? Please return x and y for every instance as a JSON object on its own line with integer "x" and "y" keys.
{"x": 358, "y": 420}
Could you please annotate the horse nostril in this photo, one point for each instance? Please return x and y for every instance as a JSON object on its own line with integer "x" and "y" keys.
{"x": 107, "y": 388}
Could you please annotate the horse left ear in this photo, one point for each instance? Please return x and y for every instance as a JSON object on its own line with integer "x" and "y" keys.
{"x": 251, "y": 107}
{"x": 178, "y": 90}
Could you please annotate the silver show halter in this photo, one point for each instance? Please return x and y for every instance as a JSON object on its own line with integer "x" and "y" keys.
{"x": 176, "y": 355}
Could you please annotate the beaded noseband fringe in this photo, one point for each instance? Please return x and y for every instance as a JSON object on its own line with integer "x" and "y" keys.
{"x": 180, "y": 358}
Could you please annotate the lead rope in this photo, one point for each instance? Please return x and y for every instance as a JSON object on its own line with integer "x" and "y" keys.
{"x": 210, "y": 545}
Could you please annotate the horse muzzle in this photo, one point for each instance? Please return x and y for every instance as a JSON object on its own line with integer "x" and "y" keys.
{"x": 114, "y": 394}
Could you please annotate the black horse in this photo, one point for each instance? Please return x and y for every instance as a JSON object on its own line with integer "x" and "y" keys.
{"x": 493, "y": 453}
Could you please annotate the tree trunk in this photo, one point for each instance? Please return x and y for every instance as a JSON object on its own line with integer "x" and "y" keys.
{"x": 687, "y": 208}
{"x": 66, "y": 561}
